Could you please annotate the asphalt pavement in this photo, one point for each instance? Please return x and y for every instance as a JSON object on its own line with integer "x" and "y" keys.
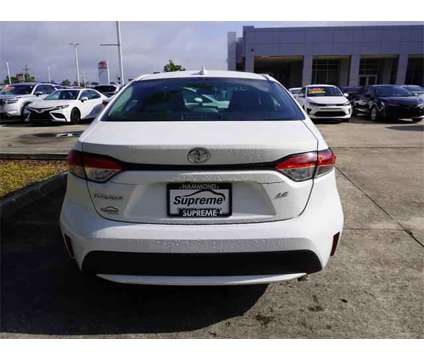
{"x": 372, "y": 288}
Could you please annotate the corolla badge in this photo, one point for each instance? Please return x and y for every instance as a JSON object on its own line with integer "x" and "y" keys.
{"x": 198, "y": 155}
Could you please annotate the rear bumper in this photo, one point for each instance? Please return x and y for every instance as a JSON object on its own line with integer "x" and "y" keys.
{"x": 206, "y": 254}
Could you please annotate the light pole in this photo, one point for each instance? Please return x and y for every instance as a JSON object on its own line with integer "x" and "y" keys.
{"x": 48, "y": 73}
{"x": 75, "y": 45}
{"x": 118, "y": 45}
{"x": 8, "y": 73}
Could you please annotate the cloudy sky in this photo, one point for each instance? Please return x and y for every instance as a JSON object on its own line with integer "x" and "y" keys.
{"x": 147, "y": 46}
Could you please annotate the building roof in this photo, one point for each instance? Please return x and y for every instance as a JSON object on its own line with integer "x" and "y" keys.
{"x": 199, "y": 73}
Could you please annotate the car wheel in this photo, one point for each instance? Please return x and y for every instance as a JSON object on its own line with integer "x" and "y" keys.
{"x": 374, "y": 115}
{"x": 75, "y": 116}
{"x": 22, "y": 117}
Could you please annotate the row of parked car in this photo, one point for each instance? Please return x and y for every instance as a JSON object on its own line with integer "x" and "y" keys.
{"x": 41, "y": 102}
{"x": 390, "y": 102}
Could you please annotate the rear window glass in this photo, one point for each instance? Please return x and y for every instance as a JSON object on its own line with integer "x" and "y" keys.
{"x": 105, "y": 88}
{"x": 204, "y": 99}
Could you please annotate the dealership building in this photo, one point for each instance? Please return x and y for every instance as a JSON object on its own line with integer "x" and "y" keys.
{"x": 342, "y": 55}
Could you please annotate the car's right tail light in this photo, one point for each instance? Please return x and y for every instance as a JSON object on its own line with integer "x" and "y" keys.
{"x": 93, "y": 167}
{"x": 305, "y": 166}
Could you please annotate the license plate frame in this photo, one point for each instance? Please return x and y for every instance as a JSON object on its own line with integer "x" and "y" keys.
{"x": 195, "y": 188}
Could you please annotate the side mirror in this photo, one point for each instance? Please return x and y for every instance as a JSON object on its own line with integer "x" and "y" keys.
{"x": 84, "y": 98}
{"x": 346, "y": 95}
{"x": 106, "y": 101}
{"x": 38, "y": 93}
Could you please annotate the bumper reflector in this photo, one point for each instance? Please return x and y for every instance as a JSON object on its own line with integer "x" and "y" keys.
{"x": 335, "y": 242}
{"x": 68, "y": 246}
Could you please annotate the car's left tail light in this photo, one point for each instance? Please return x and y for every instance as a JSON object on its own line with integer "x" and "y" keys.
{"x": 93, "y": 167}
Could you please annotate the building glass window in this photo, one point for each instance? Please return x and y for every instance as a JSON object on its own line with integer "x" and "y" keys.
{"x": 415, "y": 71}
{"x": 325, "y": 72}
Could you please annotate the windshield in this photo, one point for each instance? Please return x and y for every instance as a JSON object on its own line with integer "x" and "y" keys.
{"x": 204, "y": 99}
{"x": 105, "y": 88}
{"x": 17, "y": 89}
{"x": 63, "y": 95}
{"x": 392, "y": 91}
{"x": 323, "y": 91}
{"x": 415, "y": 89}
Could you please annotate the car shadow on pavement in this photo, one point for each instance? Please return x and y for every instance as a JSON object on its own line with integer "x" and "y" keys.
{"x": 407, "y": 128}
{"x": 43, "y": 293}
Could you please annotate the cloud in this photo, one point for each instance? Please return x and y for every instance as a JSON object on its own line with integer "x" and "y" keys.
{"x": 147, "y": 46}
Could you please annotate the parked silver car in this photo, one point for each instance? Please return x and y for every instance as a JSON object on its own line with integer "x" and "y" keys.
{"x": 15, "y": 98}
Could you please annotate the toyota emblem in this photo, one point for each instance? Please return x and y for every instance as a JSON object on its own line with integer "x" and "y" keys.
{"x": 198, "y": 155}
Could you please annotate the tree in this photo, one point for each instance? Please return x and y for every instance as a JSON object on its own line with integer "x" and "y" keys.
{"x": 29, "y": 77}
{"x": 171, "y": 66}
{"x": 15, "y": 79}
{"x": 66, "y": 82}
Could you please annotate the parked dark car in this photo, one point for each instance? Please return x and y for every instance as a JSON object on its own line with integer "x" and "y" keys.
{"x": 389, "y": 102}
{"x": 353, "y": 92}
{"x": 108, "y": 90}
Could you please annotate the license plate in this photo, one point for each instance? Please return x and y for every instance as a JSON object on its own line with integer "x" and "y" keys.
{"x": 199, "y": 200}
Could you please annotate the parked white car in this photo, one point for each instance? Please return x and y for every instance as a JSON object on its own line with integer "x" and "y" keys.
{"x": 15, "y": 98}
{"x": 162, "y": 190}
{"x": 325, "y": 102}
{"x": 66, "y": 105}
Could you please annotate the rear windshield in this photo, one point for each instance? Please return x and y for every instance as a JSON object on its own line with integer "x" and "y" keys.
{"x": 204, "y": 99}
{"x": 105, "y": 88}
{"x": 323, "y": 91}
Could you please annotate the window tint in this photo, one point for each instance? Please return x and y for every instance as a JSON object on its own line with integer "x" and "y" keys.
{"x": 63, "y": 95}
{"x": 105, "y": 88}
{"x": 392, "y": 90}
{"x": 93, "y": 94}
{"x": 203, "y": 99}
{"x": 16, "y": 89}
{"x": 85, "y": 94}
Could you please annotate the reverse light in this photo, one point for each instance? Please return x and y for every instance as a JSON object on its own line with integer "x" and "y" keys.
{"x": 93, "y": 167}
{"x": 305, "y": 166}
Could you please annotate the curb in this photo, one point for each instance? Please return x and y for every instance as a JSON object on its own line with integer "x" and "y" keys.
{"x": 29, "y": 194}
{"x": 17, "y": 156}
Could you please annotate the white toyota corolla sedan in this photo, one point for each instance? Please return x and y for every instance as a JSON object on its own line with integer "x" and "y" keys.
{"x": 325, "y": 102}
{"x": 66, "y": 105}
{"x": 231, "y": 185}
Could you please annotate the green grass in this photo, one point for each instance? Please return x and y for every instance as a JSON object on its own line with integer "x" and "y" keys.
{"x": 16, "y": 174}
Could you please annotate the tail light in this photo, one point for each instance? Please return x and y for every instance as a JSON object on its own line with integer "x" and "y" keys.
{"x": 93, "y": 167}
{"x": 305, "y": 166}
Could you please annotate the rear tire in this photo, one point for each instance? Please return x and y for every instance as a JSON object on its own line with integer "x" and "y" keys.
{"x": 75, "y": 116}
